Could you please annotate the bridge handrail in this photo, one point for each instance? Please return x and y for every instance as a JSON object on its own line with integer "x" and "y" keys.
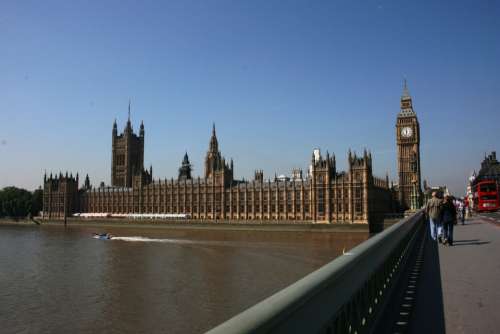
{"x": 343, "y": 296}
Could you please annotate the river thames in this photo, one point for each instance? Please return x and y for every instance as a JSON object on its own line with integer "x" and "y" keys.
{"x": 56, "y": 280}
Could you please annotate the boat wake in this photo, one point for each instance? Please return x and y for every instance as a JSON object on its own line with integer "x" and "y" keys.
{"x": 144, "y": 239}
{"x": 224, "y": 243}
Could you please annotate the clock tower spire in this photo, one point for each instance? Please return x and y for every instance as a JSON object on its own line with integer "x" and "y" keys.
{"x": 408, "y": 143}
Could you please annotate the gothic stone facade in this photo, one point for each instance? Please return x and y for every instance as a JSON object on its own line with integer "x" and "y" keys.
{"x": 127, "y": 157}
{"x": 408, "y": 142}
{"x": 325, "y": 194}
{"x": 60, "y": 195}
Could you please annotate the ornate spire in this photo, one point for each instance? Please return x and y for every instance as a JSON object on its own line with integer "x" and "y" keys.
{"x": 406, "y": 92}
{"x": 87, "y": 182}
{"x": 129, "y": 110}
{"x": 214, "y": 145}
{"x": 406, "y": 102}
{"x": 128, "y": 127}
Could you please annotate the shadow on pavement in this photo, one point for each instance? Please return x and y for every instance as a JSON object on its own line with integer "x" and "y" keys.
{"x": 470, "y": 221}
{"x": 428, "y": 314}
{"x": 424, "y": 312}
{"x": 469, "y": 242}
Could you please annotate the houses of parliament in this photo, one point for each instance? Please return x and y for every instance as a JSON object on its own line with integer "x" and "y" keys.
{"x": 323, "y": 194}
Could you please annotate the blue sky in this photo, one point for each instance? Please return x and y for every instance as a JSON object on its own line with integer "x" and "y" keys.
{"x": 278, "y": 78}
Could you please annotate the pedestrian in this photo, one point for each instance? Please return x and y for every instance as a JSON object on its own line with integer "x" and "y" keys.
{"x": 433, "y": 212}
{"x": 467, "y": 208}
{"x": 448, "y": 219}
{"x": 462, "y": 211}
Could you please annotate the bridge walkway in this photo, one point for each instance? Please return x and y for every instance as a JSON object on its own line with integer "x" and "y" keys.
{"x": 459, "y": 287}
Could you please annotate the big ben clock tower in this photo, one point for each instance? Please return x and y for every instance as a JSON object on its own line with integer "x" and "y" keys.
{"x": 408, "y": 142}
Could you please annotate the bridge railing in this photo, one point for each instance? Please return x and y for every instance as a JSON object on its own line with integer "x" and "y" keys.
{"x": 344, "y": 296}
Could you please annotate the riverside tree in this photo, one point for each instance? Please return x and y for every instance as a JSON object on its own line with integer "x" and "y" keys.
{"x": 17, "y": 202}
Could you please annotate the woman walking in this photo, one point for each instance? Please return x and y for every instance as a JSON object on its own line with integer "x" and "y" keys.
{"x": 448, "y": 218}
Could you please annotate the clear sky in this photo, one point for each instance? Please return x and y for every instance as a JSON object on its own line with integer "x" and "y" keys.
{"x": 278, "y": 78}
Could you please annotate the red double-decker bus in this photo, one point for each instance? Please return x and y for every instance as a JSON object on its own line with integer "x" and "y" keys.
{"x": 486, "y": 196}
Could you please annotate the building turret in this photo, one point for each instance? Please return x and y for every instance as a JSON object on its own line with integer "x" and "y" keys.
{"x": 127, "y": 154}
{"x": 185, "y": 169}
{"x": 60, "y": 195}
{"x": 141, "y": 130}
{"x": 361, "y": 161}
{"x": 326, "y": 164}
{"x": 297, "y": 174}
{"x": 86, "y": 184}
{"x": 213, "y": 159}
{"x": 259, "y": 176}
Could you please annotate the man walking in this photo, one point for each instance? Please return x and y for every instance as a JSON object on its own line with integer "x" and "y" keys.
{"x": 462, "y": 211}
{"x": 433, "y": 211}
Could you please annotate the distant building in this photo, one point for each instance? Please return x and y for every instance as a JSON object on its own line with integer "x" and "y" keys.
{"x": 325, "y": 194}
{"x": 490, "y": 168}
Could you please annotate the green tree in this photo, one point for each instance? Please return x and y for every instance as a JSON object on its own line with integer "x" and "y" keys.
{"x": 37, "y": 202}
{"x": 15, "y": 202}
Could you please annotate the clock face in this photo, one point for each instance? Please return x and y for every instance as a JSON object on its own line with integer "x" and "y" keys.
{"x": 406, "y": 132}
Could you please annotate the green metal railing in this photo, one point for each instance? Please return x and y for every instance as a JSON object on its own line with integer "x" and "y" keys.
{"x": 344, "y": 296}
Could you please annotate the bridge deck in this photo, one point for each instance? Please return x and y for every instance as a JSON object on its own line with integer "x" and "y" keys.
{"x": 459, "y": 286}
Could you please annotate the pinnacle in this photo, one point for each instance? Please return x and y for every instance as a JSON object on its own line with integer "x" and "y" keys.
{"x": 406, "y": 92}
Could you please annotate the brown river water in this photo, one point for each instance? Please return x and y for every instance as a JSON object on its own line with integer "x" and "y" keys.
{"x": 56, "y": 280}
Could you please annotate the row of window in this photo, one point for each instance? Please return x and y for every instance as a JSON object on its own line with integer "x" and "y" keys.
{"x": 218, "y": 197}
{"x": 250, "y": 208}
